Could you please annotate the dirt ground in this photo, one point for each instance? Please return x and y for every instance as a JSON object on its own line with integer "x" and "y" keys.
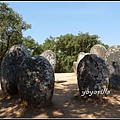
{"x": 66, "y": 103}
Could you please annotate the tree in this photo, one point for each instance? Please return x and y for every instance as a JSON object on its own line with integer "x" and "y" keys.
{"x": 65, "y": 52}
{"x": 38, "y": 50}
{"x": 67, "y": 47}
{"x": 11, "y": 28}
{"x": 33, "y": 46}
{"x": 49, "y": 44}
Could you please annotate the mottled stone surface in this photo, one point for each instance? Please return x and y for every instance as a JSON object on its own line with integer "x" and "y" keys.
{"x": 36, "y": 81}
{"x": 75, "y": 63}
{"x": 0, "y": 77}
{"x": 92, "y": 74}
{"x": 81, "y": 55}
{"x": 112, "y": 58}
{"x": 9, "y": 68}
{"x": 51, "y": 56}
{"x": 75, "y": 66}
{"x": 99, "y": 50}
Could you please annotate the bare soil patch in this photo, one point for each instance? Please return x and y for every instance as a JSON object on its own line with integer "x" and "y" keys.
{"x": 66, "y": 103}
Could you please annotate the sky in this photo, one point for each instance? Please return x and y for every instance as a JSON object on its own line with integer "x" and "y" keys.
{"x": 49, "y": 18}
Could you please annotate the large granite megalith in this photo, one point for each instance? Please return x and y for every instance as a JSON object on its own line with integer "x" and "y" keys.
{"x": 51, "y": 56}
{"x": 0, "y": 76}
{"x": 99, "y": 50}
{"x": 75, "y": 67}
{"x": 92, "y": 75}
{"x": 81, "y": 55}
{"x": 10, "y": 66}
{"x": 75, "y": 63}
{"x": 36, "y": 81}
{"x": 112, "y": 58}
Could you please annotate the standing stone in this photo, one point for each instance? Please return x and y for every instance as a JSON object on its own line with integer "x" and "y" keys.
{"x": 51, "y": 56}
{"x": 9, "y": 68}
{"x": 75, "y": 63}
{"x": 36, "y": 81}
{"x": 99, "y": 50}
{"x": 0, "y": 77}
{"x": 81, "y": 56}
{"x": 0, "y": 67}
{"x": 92, "y": 74}
{"x": 112, "y": 58}
{"x": 75, "y": 66}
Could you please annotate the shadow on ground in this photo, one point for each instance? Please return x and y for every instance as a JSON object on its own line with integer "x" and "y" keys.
{"x": 66, "y": 103}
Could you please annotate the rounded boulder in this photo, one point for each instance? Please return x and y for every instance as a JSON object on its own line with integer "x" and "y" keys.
{"x": 36, "y": 81}
{"x": 51, "y": 56}
{"x": 10, "y": 66}
{"x": 112, "y": 58}
{"x": 99, "y": 50}
{"x": 92, "y": 74}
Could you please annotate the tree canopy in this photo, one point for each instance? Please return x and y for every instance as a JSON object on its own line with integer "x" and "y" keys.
{"x": 66, "y": 47}
{"x": 33, "y": 47}
{"x": 11, "y": 28}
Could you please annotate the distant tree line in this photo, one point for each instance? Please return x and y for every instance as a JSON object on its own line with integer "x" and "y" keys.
{"x": 66, "y": 47}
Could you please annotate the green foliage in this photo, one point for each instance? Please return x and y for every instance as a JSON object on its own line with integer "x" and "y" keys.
{"x": 65, "y": 52}
{"x": 49, "y": 44}
{"x": 38, "y": 50}
{"x": 33, "y": 47}
{"x": 11, "y": 28}
{"x": 67, "y": 47}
